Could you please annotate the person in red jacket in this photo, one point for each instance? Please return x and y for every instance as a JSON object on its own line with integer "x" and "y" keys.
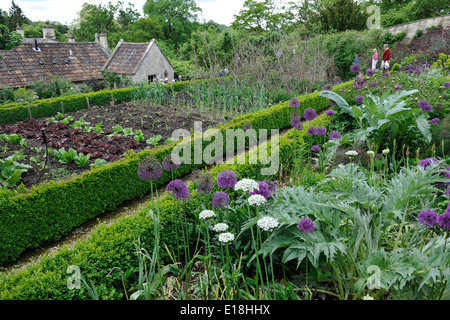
{"x": 386, "y": 63}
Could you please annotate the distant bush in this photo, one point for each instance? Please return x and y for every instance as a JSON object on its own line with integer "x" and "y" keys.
{"x": 6, "y": 94}
{"x": 51, "y": 87}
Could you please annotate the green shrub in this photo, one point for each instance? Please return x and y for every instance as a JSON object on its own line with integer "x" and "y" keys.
{"x": 51, "y": 87}
{"x": 6, "y": 94}
{"x": 396, "y": 67}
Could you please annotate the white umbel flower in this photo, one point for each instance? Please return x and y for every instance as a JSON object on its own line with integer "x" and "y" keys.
{"x": 352, "y": 153}
{"x": 385, "y": 151}
{"x": 246, "y": 185}
{"x": 368, "y": 298}
{"x": 267, "y": 223}
{"x": 256, "y": 200}
{"x": 371, "y": 153}
{"x": 220, "y": 227}
{"x": 226, "y": 237}
{"x": 206, "y": 214}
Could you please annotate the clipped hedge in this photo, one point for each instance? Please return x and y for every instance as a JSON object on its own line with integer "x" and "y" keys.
{"x": 52, "y": 209}
{"x": 114, "y": 245}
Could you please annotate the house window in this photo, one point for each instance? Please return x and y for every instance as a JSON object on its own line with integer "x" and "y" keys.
{"x": 151, "y": 78}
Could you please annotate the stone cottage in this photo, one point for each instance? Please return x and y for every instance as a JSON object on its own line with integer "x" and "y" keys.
{"x": 141, "y": 62}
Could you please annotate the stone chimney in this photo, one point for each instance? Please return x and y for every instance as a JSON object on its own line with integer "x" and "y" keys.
{"x": 19, "y": 29}
{"x": 103, "y": 40}
{"x": 48, "y": 31}
{"x": 71, "y": 37}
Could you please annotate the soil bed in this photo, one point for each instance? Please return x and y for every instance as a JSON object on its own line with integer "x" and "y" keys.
{"x": 95, "y": 136}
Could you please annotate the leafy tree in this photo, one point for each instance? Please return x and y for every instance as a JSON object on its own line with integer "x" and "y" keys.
{"x": 3, "y": 17}
{"x": 178, "y": 17}
{"x": 143, "y": 30}
{"x": 127, "y": 16}
{"x": 342, "y": 15}
{"x": 260, "y": 16}
{"x": 34, "y": 30}
{"x": 16, "y": 17}
{"x": 9, "y": 40}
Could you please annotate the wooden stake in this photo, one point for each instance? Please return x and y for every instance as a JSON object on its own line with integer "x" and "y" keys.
{"x": 29, "y": 111}
{"x": 88, "y": 104}
{"x": 62, "y": 107}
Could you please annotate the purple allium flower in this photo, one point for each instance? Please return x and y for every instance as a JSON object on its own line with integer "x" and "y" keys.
{"x": 226, "y": 179}
{"x": 374, "y": 84}
{"x": 171, "y": 162}
{"x": 306, "y": 225}
{"x": 386, "y": 74}
{"x": 334, "y": 135}
{"x": 315, "y": 148}
{"x": 299, "y": 126}
{"x": 310, "y": 114}
{"x": 435, "y": 120}
{"x": 321, "y": 131}
{"x": 311, "y": 130}
{"x": 446, "y": 84}
{"x": 407, "y": 67}
{"x": 355, "y": 68}
{"x": 149, "y": 169}
{"x": 359, "y": 99}
{"x": 337, "y": 80}
{"x": 220, "y": 199}
{"x": 410, "y": 70}
{"x": 416, "y": 62}
{"x": 428, "y": 218}
{"x": 398, "y": 87}
{"x": 443, "y": 220}
{"x": 295, "y": 121}
{"x": 330, "y": 112}
{"x": 264, "y": 190}
{"x": 370, "y": 72}
{"x": 294, "y": 103}
{"x": 423, "y": 104}
{"x": 247, "y": 126}
{"x": 272, "y": 186}
{"x": 178, "y": 189}
{"x": 426, "y": 162}
{"x": 205, "y": 182}
{"x": 447, "y": 193}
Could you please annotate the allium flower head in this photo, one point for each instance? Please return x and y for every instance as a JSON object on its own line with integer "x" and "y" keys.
{"x": 443, "y": 220}
{"x": 295, "y": 121}
{"x": 426, "y": 162}
{"x": 446, "y": 85}
{"x": 226, "y": 179}
{"x": 226, "y": 237}
{"x": 220, "y": 227}
{"x": 205, "y": 182}
{"x": 171, "y": 162}
{"x": 310, "y": 114}
{"x": 220, "y": 199}
{"x": 374, "y": 84}
{"x": 423, "y": 104}
{"x": 149, "y": 169}
{"x": 330, "y": 112}
{"x": 385, "y": 151}
{"x": 294, "y": 103}
{"x": 359, "y": 99}
{"x": 206, "y": 214}
{"x": 247, "y": 126}
{"x": 256, "y": 200}
{"x": 428, "y": 218}
{"x": 435, "y": 120}
{"x": 398, "y": 87}
{"x": 334, "y": 135}
{"x": 272, "y": 186}
{"x": 351, "y": 153}
{"x": 306, "y": 225}
{"x": 370, "y": 72}
{"x": 321, "y": 131}
{"x": 267, "y": 223}
{"x": 371, "y": 153}
{"x": 178, "y": 189}
{"x": 315, "y": 148}
{"x": 246, "y": 185}
{"x": 355, "y": 68}
{"x": 311, "y": 130}
{"x": 263, "y": 190}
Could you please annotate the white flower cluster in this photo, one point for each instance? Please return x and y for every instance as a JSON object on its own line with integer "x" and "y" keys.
{"x": 256, "y": 200}
{"x": 371, "y": 153}
{"x": 206, "y": 214}
{"x": 246, "y": 185}
{"x": 352, "y": 153}
{"x": 267, "y": 223}
{"x": 368, "y": 298}
{"x": 226, "y": 237}
{"x": 385, "y": 151}
{"x": 220, "y": 227}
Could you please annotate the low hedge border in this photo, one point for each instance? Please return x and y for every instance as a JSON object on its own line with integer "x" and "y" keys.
{"x": 114, "y": 245}
{"x": 50, "y": 210}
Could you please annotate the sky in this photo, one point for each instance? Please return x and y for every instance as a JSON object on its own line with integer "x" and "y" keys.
{"x": 65, "y": 11}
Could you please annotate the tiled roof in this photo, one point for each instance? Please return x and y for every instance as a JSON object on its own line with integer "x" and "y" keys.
{"x": 126, "y": 57}
{"x": 22, "y": 65}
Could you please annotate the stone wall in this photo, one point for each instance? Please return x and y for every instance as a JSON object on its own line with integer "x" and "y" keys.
{"x": 412, "y": 27}
{"x": 154, "y": 63}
